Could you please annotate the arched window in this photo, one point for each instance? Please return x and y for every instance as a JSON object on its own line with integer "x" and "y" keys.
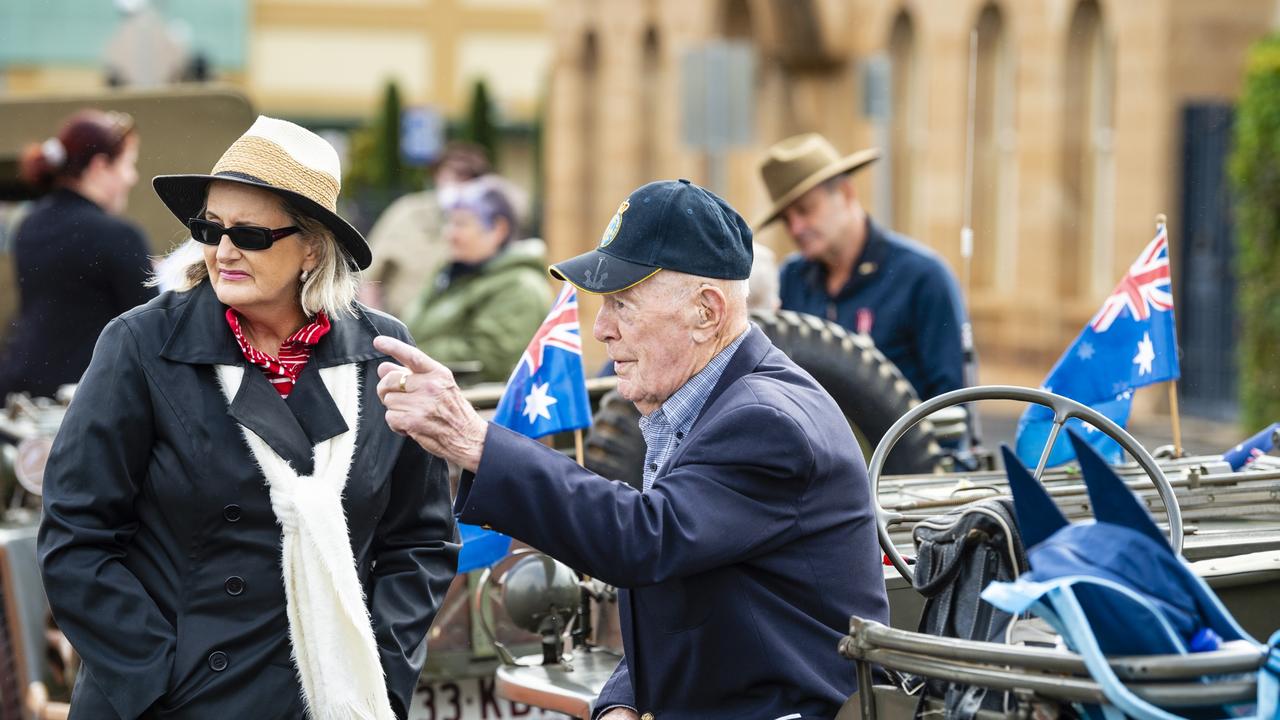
{"x": 993, "y": 152}
{"x": 905, "y": 118}
{"x": 590, "y": 131}
{"x": 728, "y": 79}
{"x": 736, "y": 20}
{"x": 1085, "y": 253}
{"x": 650, "y": 97}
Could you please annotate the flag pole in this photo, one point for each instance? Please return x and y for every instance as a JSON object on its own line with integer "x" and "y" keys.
{"x": 970, "y": 353}
{"x": 1161, "y": 223}
{"x": 585, "y": 630}
{"x": 966, "y": 222}
{"x": 1173, "y": 409}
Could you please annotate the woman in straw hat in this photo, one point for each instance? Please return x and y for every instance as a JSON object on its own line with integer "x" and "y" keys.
{"x": 230, "y": 528}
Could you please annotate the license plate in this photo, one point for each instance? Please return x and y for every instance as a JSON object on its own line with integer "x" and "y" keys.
{"x": 470, "y": 699}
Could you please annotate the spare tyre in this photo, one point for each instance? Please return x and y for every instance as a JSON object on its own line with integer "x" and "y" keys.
{"x": 869, "y": 389}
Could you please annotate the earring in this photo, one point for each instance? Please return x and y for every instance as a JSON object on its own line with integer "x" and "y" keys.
{"x": 305, "y": 274}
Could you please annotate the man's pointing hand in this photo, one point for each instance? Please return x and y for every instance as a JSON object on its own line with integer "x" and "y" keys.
{"x": 424, "y": 403}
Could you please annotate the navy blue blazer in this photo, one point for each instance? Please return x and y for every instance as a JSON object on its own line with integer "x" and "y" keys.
{"x": 739, "y": 569}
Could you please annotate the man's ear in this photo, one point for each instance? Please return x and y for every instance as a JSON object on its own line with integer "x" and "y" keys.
{"x": 847, "y": 189}
{"x": 713, "y": 309}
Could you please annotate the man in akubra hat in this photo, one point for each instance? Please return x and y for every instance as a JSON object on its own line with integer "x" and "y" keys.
{"x": 752, "y": 540}
{"x": 863, "y": 276}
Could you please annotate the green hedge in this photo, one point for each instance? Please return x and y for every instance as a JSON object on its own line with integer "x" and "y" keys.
{"x": 1255, "y": 175}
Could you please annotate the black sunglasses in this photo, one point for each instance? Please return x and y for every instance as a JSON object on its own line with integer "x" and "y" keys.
{"x": 245, "y": 237}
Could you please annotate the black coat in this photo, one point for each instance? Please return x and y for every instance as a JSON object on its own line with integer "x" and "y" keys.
{"x": 77, "y": 267}
{"x": 160, "y": 551}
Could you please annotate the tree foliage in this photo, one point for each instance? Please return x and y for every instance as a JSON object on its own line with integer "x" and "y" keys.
{"x": 1255, "y": 175}
{"x": 375, "y": 161}
{"x": 481, "y": 126}
{"x": 388, "y": 168}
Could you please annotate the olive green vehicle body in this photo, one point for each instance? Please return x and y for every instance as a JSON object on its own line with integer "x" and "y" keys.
{"x": 1230, "y": 523}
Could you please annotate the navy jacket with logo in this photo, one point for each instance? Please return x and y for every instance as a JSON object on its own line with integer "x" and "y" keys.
{"x": 739, "y": 569}
{"x": 902, "y": 295}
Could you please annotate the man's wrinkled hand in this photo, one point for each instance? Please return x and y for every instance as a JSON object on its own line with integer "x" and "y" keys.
{"x": 620, "y": 713}
{"x": 424, "y": 403}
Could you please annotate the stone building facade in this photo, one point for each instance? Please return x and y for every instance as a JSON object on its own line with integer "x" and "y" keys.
{"x": 1076, "y": 129}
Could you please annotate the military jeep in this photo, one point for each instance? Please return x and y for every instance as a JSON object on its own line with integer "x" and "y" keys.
{"x": 1225, "y": 522}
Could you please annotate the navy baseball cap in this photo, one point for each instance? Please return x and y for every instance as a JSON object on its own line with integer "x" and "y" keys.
{"x": 671, "y": 225}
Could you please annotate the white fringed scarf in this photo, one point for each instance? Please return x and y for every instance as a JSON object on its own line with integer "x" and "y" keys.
{"x": 329, "y": 627}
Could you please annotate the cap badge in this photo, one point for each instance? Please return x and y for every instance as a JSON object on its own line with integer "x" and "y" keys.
{"x": 596, "y": 280}
{"x": 615, "y": 225}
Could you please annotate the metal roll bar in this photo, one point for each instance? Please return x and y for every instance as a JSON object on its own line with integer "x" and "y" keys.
{"x": 1063, "y": 409}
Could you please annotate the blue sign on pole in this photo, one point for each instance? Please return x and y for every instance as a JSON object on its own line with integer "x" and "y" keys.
{"x": 421, "y": 135}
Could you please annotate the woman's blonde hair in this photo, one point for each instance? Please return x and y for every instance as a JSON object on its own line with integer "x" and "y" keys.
{"x": 330, "y": 287}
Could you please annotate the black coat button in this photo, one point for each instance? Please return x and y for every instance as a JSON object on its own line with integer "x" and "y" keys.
{"x": 231, "y": 513}
{"x": 234, "y": 585}
{"x": 218, "y": 661}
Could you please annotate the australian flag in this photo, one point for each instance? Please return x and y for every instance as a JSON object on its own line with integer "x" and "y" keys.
{"x": 1130, "y": 343}
{"x": 1253, "y": 448}
{"x": 547, "y": 393}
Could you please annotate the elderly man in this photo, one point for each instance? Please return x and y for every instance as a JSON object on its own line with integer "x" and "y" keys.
{"x": 753, "y": 540}
{"x": 857, "y": 273}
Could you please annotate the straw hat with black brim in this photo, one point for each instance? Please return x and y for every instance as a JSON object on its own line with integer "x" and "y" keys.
{"x": 801, "y": 163}
{"x": 282, "y": 158}
{"x": 665, "y": 225}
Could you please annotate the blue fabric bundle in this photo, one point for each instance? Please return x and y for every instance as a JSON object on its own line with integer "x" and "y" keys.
{"x": 1115, "y": 587}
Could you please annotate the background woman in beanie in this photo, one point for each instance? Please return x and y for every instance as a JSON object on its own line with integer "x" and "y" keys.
{"x": 78, "y": 265}
{"x": 491, "y": 296}
{"x": 231, "y": 530}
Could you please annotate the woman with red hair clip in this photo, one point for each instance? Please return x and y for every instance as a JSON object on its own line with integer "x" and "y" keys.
{"x": 78, "y": 263}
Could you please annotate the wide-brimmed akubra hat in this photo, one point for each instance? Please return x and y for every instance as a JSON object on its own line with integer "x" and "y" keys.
{"x": 281, "y": 157}
{"x": 800, "y": 163}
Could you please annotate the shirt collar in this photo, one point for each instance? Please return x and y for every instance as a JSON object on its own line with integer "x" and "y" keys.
{"x": 865, "y": 266}
{"x": 200, "y": 334}
{"x": 682, "y": 408}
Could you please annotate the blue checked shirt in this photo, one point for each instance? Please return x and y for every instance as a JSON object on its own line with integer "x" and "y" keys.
{"x": 666, "y": 427}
